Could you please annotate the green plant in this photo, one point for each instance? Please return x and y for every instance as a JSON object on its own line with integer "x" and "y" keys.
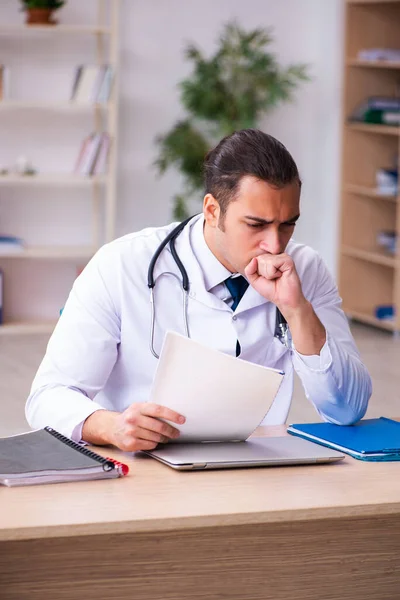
{"x": 229, "y": 91}
{"x": 50, "y": 4}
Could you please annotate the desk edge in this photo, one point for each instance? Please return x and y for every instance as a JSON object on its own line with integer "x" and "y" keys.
{"x": 174, "y": 524}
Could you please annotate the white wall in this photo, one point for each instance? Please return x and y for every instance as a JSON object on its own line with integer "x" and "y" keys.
{"x": 154, "y": 33}
{"x": 153, "y": 36}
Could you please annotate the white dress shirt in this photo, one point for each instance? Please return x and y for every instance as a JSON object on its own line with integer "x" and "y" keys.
{"x": 99, "y": 356}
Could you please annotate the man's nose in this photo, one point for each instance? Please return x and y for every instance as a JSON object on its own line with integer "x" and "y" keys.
{"x": 271, "y": 243}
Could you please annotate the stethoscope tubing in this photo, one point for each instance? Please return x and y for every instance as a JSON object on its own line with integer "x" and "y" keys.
{"x": 281, "y": 327}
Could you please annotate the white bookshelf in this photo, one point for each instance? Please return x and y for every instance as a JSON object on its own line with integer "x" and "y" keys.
{"x": 25, "y": 327}
{"x": 52, "y": 252}
{"x": 54, "y": 29}
{"x": 73, "y": 107}
{"x": 99, "y": 190}
{"x": 50, "y": 179}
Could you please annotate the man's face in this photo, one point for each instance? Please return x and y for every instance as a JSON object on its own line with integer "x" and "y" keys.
{"x": 260, "y": 220}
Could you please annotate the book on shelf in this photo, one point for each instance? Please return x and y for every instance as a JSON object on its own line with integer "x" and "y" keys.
{"x": 387, "y": 241}
{"x": 77, "y": 75}
{"x": 105, "y": 86}
{"x": 387, "y": 181}
{"x": 4, "y": 82}
{"x": 93, "y": 155}
{"x": 92, "y": 84}
{"x": 47, "y": 456}
{"x": 10, "y": 244}
{"x": 100, "y": 166}
{"x": 378, "y": 110}
{"x": 385, "y": 312}
{"x": 379, "y": 54}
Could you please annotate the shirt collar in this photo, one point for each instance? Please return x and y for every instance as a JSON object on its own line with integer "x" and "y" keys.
{"x": 213, "y": 271}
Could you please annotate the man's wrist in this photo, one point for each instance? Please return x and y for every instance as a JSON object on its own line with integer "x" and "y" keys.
{"x": 298, "y": 313}
{"x": 308, "y": 333}
{"x": 99, "y": 427}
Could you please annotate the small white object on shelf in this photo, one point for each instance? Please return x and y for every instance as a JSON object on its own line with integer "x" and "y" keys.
{"x": 23, "y": 166}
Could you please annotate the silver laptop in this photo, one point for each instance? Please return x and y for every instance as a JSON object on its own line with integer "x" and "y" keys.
{"x": 256, "y": 452}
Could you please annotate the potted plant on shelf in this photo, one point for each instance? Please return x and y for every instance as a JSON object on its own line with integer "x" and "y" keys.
{"x": 233, "y": 89}
{"x": 40, "y": 12}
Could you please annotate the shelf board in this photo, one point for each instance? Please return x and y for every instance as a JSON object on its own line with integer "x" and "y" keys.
{"x": 63, "y": 179}
{"x": 373, "y": 257}
{"x": 53, "y": 29}
{"x": 369, "y": 319}
{"x": 373, "y": 1}
{"x": 371, "y": 128}
{"x": 74, "y": 107}
{"x": 27, "y": 327}
{"x": 370, "y": 192}
{"x": 51, "y": 252}
{"x": 372, "y": 64}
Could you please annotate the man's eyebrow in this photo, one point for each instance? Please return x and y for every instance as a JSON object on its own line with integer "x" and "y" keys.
{"x": 266, "y": 222}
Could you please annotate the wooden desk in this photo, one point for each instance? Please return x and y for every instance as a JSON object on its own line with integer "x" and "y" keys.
{"x": 324, "y": 532}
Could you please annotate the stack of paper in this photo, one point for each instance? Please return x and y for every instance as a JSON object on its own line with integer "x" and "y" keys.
{"x": 222, "y": 397}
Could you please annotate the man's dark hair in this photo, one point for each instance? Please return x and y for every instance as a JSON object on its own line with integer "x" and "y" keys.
{"x": 246, "y": 152}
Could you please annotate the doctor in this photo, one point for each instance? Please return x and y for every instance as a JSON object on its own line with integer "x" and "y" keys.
{"x": 95, "y": 378}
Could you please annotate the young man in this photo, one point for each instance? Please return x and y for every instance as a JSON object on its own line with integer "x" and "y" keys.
{"x": 94, "y": 382}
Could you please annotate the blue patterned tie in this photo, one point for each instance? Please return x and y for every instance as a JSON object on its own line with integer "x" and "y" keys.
{"x": 237, "y": 287}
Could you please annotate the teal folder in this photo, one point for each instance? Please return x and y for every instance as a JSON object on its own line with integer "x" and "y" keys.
{"x": 369, "y": 439}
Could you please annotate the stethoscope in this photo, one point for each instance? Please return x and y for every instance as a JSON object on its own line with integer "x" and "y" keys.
{"x": 281, "y": 332}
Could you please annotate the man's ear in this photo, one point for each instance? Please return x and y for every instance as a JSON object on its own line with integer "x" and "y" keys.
{"x": 211, "y": 210}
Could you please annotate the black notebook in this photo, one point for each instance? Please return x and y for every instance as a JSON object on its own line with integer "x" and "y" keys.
{"x": 46, "y": 456}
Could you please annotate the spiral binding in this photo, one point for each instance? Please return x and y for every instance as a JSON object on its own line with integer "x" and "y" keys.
{"x": 123, "y": 468}
{"x": 108, "y": 465}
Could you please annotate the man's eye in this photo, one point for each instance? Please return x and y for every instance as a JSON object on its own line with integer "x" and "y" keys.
{"x": 256, "y": 225}
{"x": 286, "y": 225}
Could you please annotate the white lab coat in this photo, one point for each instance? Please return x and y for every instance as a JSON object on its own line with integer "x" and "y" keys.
{"x": 99, "y": 355}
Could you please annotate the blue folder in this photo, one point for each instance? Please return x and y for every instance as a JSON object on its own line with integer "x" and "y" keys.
{"x": 369, "y": 439}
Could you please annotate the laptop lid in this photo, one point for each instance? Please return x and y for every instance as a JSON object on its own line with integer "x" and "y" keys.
{"x": 256, "y": 452}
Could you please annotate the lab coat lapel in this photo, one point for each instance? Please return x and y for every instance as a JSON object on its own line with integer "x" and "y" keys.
{"x": 198, "y": 289}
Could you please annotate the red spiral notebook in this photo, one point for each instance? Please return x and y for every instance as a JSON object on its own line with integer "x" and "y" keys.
{"x": 47, "y": 456}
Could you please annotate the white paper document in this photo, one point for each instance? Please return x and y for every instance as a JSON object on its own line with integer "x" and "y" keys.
{"x": 222, "y": 397}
